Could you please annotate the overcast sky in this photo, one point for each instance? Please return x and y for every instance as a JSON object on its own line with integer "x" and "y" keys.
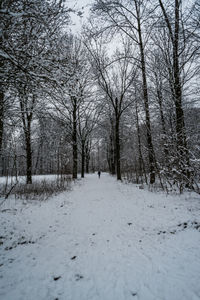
{"x": 80, "y": 5}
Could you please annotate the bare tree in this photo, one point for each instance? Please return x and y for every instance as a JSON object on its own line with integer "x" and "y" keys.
{"x": 87, "y": 121}
{"x": 183, "y": 42}
{"x": 29, "y": 28}
{"x": 114, "y": 78}
{"x": 128, "y": 17}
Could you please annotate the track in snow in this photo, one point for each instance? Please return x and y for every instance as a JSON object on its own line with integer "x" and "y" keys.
{"x": 102, "y": 241}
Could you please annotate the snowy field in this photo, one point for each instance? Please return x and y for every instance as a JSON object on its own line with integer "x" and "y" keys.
{"x": 104, "y": 240}
{"x": 22, "y": 179}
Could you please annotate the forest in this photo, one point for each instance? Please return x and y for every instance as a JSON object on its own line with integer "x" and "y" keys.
{"x": 121, "y": 95}
{"x": 99, "y": 149}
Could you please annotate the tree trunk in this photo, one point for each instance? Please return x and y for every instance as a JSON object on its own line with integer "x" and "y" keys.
{"x": 164, "y": 132}
{"x": 74, "y": 139}
{"x": 180, "y": 123}
{"x": 83, "y": 159}
{"x": 87, "y": 161}
{"x": 117, "y": 148}
{"x": 87, "y": 155}
{"x": 1, "y": 118}
{"x": 141, "y": 161}
{"x": 26, "y": 120}
{"x": 146, "y": 102}
{"x": 112, "y": 160}
{"x": 182, "y": 150}
{"x": 2, "y": 69}
{"x": 111, "y": 155}
{"x": 28, "y": 153}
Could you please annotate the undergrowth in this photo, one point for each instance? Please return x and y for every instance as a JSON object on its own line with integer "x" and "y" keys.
{"x": 38, "y": 190}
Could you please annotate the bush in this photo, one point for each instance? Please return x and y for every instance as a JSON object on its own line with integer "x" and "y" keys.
{"x": 38, "y": 190}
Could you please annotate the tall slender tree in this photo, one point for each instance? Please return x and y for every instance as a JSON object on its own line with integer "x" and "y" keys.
{"x": 128, "y": 17}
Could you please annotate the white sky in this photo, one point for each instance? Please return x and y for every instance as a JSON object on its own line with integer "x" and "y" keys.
{"x": 82, "y": 6}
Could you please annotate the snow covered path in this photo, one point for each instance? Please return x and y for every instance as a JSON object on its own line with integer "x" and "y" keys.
{"x": 104, "y": 240}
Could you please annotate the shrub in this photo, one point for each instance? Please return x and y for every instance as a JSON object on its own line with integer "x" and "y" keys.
{"x": 38, "y": 190}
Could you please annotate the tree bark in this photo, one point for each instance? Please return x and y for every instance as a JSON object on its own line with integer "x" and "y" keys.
{"x": 87, "y": 156}
{"x": 1, "y": 118}
{"x": 87, "y": 164}
{"x": 146, "y": 101}
{"x": 2, "y": 67}
{"x": 83, "y": 159}
{"x": 141, "y": 161}
{"x": 27, "y": 115}
{"x": 180, "y": 123}
{"x": 182, "y": 150}
{"x": 164, "y": 132}
{"x": 112, "y": 151}
{"x": 112, "y": 159}
{"x": 74, "y": 139}
{"x": 28, "y": 153}
{"x": 117, "y": 148}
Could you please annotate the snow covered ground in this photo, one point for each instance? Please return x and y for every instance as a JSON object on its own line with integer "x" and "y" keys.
{"x": 104, "y": 240}
{"x": 22, "y": 179}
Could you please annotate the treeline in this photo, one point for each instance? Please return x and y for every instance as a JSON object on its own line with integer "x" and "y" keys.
{"x": 150, "y": 85}
{"x": 123, "y": 96}
{"x": 45, "y": 91}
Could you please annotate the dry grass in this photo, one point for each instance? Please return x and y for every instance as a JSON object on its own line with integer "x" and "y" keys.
{"x": 38, "y": 190}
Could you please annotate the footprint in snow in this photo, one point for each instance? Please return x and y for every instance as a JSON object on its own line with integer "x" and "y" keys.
{"x": 56, "y": 278}
{"x": 73, "y": 257}
{"x": 133, "y": 294}
{"x": 78, "y": 277}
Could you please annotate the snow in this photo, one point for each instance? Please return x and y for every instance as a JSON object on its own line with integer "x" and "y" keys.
{"x": 104, "y": 240}
{"x": 22, "y": 179}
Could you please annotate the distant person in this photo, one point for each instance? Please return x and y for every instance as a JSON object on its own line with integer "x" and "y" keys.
{"x": 99, "y": 173}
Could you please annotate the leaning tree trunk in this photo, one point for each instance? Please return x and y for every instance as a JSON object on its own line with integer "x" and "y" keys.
{"x": 146, "y": 102}
{"x": 74, "y": 139}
